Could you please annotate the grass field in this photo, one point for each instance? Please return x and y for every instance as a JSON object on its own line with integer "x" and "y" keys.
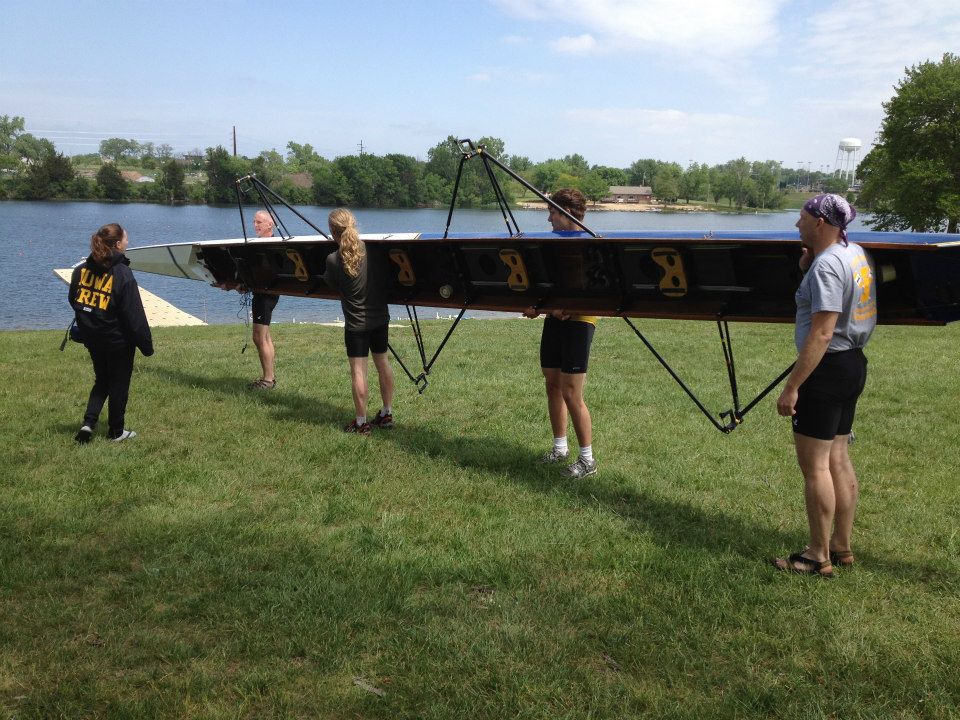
{"x": 245, "y": 558}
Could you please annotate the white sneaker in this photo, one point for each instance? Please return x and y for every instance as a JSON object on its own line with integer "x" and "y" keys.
{"x": 554, "y": 456}
{"x": 581, "y": 468}
{"x": 125, "y": 435}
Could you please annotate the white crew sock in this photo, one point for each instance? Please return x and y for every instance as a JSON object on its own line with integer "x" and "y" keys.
{"x": 560, "y": 445}
{"x": 361, "y": 419}
{"x": 586, "y": 453}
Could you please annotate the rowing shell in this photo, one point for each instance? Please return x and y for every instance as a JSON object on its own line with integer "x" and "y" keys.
{"x": 731, "y": 275}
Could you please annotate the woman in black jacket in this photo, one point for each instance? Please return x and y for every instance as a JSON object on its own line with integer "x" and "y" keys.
{"x": 111, "y": 322}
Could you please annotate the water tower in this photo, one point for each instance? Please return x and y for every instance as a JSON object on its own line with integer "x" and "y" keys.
{"x": 848, "y": 155}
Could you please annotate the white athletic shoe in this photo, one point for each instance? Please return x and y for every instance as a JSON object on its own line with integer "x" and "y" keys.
{"x": 125, "y": 435}
{"x": 581, "y": 468}
{"x": 554, "y": 456}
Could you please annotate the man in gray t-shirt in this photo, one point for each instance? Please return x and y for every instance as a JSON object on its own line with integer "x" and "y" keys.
{"x": 836, "y": 314}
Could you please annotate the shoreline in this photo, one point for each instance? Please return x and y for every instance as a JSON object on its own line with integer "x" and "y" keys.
{"x": 656, "y": 207}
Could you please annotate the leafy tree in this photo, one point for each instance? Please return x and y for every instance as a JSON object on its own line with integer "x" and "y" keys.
{"x": 86, "y": 159}
{"x": 835, "y": 185}
{"x": 270, "y": 167}
{"x": 546, "y": 175}
{"x": 222, "y": 173}
{"x": 595, "y": 186}
{"x": 764, "y": 177}
{"x": 566, "y": 180}
{"x": 10, "y": 129}
{"x": 330, "y": 186}
{"x": 409, "y": 174}
{"x": 911, "y": 178}
{"x": 32, "y": 149}
{"x": 301, "y": 158}
{"x": 612, "y": 175}
{"x": 642, "y": 171}
{"x": 118, "y": 149}
{"x": 164, "y": 151}
{"x": 170, "y": 182}
{"x": 666, "y": 182}
{"x": 519, "y": 163}
{"x": 719, "y": 183}
{"x": 111, "y": 182}
{"x": 475, "y": 188}
{"x": 694, "y": 182}
{"x": 577, "y": 163}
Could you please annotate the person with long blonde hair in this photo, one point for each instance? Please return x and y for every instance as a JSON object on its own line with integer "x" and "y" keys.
{"x": 362, "y": 283}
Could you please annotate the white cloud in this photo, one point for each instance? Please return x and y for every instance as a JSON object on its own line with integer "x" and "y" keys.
{"x": 858, "y": 49}
{"x": 720, "y": 28}
{"x": 580, "y": 45}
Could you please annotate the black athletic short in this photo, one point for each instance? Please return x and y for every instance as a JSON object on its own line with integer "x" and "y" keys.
{"x": 360, "y": 344}
{"x": 827, "y": 400}
{"x": 263, "y": 306}
{"x": 565, "y": 344}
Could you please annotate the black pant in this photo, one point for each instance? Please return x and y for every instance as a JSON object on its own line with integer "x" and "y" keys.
{"x": 113, "y": 369}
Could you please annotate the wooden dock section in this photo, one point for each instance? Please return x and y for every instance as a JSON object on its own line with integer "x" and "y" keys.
{"x": 159, "y": 312}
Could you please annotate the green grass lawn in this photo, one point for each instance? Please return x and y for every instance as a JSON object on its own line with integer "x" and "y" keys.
{"x": 245, "y": 558}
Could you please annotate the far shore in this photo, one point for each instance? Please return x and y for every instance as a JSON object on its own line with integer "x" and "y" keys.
{"x": 650, "y": 207}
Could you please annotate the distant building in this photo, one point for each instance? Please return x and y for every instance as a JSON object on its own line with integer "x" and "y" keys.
{"x": 300, "y": 180}
{"x": 629, "y": 194}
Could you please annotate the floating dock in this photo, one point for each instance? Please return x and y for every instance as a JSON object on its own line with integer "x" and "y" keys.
{"x": 159, "y": 312}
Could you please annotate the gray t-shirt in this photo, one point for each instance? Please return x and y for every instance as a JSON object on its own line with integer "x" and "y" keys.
{"x": 841, "y": 280}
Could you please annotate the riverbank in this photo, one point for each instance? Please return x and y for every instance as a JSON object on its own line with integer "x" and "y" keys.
{"x": 654, "y": 207}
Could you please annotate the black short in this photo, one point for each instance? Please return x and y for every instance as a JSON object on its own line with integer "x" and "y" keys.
{"x": 360, "y": 344}
{"x": 565, "y": 344}
{"x": 263, "y": 306}
{"x": 827, "y": 400}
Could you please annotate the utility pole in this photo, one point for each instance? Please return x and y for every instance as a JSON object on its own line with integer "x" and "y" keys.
{"x": 361, "y": 147}
{"x": 234, "y": 140}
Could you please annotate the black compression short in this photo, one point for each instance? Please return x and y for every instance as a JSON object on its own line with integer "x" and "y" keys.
{"x": 360, "y": 344}
{"x": 565, "y": 344}
{"x": 827, "y": 400}
{"x": 263, "y": 306}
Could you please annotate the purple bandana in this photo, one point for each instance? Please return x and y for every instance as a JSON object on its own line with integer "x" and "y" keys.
{"x": 834, "y": 210}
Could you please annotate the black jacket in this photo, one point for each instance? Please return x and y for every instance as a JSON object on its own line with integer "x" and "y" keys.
{"x": 106, "y": 301}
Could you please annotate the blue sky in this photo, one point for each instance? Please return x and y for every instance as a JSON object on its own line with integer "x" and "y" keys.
{"x": 614, "y": 80}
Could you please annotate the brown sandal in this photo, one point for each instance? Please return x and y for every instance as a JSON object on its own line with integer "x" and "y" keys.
{"x": 805, "y": 566}
{"x": 842, "y": 558}
{"x": 262, "y": 384}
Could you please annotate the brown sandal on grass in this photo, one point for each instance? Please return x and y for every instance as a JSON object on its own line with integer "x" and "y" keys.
{"x": 805, "y": 566}
{"x": 842, "y": 558}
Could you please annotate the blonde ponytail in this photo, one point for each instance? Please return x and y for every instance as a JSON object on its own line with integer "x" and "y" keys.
{"x": 343, "y": 226}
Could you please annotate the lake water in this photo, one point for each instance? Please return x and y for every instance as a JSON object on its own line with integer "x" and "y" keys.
{"x": 37, "y": 237}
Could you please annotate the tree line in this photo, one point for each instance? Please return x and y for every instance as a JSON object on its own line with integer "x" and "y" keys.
{"x": 910, "y": 179}
{"x": 32, "y": 169}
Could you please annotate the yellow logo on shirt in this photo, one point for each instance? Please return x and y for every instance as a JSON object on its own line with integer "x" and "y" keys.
{"x": 863, "y": 277}
{"x": 94, "y": 290}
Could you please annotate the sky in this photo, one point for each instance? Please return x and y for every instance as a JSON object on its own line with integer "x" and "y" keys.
{"x": 613, "y": 80}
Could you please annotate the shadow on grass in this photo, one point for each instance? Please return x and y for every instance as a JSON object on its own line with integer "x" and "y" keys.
{"x": 284, "y": 404}
{"x": 670, "y": 522}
